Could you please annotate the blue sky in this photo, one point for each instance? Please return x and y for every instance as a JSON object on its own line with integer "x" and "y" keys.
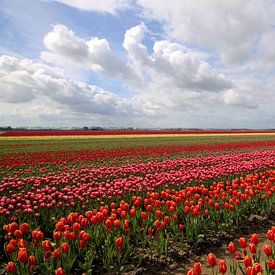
{"x": 137, "y": 63}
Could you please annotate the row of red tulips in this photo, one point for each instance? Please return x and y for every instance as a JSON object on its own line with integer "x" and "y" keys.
{"x": 251, "y": 260}
{"x": 110, "y": 233}
{"x": 15, "y": 159}
{"x": 78, "y": 189}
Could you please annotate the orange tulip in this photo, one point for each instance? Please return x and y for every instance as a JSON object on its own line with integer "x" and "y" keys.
{"x": 60, "y": 271}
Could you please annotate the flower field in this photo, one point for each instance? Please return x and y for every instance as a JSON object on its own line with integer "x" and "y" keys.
{"x": 71, "y": 205}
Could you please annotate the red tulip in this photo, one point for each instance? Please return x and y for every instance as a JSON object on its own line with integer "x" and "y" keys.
{"x": 237, "y": 256}
{"x": 18, "y": 234}
{"x": 59, "y": 271}
{"x": 10, "y": 248}
{"x": 11, "y": 267}
{"x": 132, "y": 212}
{"x": 24, "y": 227}
{"x": 126, "y": 224}
{"x": 247, "y": 261}
{"x": 192, "y": 271}
{"x": 13, "y": 226}
{"x": 231, "y": 248}
{"x": 22, "y": 255}
{"x": 254, "y": 239}
{"x": 57, "y": 253}
{"x": 32, "y": 260}
{"x": 197, "y": 268}
{"x": 270, "y": 235}
{"x": 65, "y": 247}
{"x": 57, "y": 235}
{"x": 267, "y": 250}
{"x": 252, "y": 248}
{"x": 258, "y": 268}
{"x": 22, "y": 243}
{"x": 144, "y": 216}
{"x": 243, "y": 243}
{"x": 158, "y": 214}
{"x": 181, "y": 227}
{"x": 109, "y": 224}
{"x": 119, "y": 243}
{"x": 222, "y": 266}
{"x": 271, "y": 264}
{"x": 117, "y": 223}
{"x": 212, "y": 260}
{"x": 46, "y": 245}
{"x": 76, "y": 227}
{"x": 250, "y": 271}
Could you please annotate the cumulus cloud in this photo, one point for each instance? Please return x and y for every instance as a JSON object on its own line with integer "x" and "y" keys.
{"x": 228, "y": 27}
{"x": 22, "y": 80}
{"x": 170, "y": 69}
{"x": 95, "y": 54}
{"x": 106, "y": 6}
{"x": 171, "y": 78}
{"x": 172, "y": 65}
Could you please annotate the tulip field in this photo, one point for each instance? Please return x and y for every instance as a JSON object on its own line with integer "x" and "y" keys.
{"x": 120, "y": 202}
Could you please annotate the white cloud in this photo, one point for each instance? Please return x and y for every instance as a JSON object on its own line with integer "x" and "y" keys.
{"x": 176, "y": 83}
{"x": 22, "y": 80}
{"x": 64, "y": 42}
{"x": 227, "y": 27}
{"x": 67, "y": 48}
{"x": 133, "y": 44}
{"x": 171, "y": 65}
{"x": 171, "y": 77}
{"x": 105, "y": 6}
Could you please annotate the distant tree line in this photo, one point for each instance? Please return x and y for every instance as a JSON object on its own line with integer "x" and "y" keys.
{"x": 98, "y": 128}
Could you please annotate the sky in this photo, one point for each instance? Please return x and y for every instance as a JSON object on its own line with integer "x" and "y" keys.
{"x": 137, "y": 63}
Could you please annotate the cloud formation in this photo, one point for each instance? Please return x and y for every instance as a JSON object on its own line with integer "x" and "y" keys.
{"x": 170, "y": 60}
{"x": 228, "y": 27}
{"x": 190, "y": 64}
{"x": 95, "y": 54}
{"x": 173, "y": 61}
{"x": 22, "y": 80}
